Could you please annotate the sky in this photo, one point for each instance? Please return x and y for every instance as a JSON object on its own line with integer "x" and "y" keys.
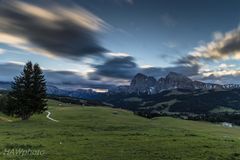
{"x": 99, "y": 44}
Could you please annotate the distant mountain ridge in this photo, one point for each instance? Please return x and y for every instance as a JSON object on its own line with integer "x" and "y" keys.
{"x": 79, "y": 93}
{"x": 53, "y": 90}
{"x": 140, "y": 84}
{"x": 149, "y": 85}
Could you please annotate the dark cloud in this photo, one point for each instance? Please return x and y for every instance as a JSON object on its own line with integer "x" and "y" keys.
{"x": 231, "y": 44}
{"x": 63, "y": 79}
{"x": 126, "y": 68}
{"x": 73, "y": 80}
{"x": 222, "y": 47}
{"x": 187, "y": 60}
{"x": 162, "y": 72}
{"x": 53, "y": 30}
{"x": 118, "y": 67}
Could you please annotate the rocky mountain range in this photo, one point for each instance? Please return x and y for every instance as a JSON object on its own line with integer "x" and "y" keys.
{"x": 149, "y": 85}
{"x": 140, "y": 84}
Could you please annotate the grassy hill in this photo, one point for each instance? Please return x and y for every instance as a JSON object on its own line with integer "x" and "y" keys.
{"x": 98, "y": 133}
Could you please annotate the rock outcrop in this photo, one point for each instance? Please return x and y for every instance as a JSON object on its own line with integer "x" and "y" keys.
{"x": 149, "y": 85}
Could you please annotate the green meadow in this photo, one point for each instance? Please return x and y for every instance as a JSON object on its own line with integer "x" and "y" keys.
{"x": 100, "y": 133}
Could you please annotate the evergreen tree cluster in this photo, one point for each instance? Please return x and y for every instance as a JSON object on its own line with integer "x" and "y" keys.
{"x": 28, "y": 94}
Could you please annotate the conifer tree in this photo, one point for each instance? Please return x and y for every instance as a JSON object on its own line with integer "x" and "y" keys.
{"x": 28, "y": 94}
{"x": 39, "y": 90}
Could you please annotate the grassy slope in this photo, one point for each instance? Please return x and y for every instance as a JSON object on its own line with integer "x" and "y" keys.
{"x": 98, "y": 133}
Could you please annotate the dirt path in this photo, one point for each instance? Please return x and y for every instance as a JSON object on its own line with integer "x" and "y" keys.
{"x": 48, "y": 117}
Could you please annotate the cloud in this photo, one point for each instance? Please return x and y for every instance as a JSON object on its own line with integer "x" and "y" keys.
{"x": 187, "y": 60}
{"x": 2, "y": 51}
{"x": 16, "y": 62}
{"x": 69, "y": 79}
{"x": 119, "y": 54}
{"x": 223, "y": 46}
{"x": 126, "y": 68}
{"x": 224, "y": 65}
{"x": 62, "y": 79}
{"x": 162, "y": 72}
{"x": 51, "y": 30}
{"x": 217, "y": 35}
{"x": 118, "y": 67}
{"x": 146, "y": 66}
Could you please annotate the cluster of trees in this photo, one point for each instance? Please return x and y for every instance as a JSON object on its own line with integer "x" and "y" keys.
{"x": 186, "y": 101}
{"x": 28, "y": 94}
{"x": 3, "y": 102}
{"x": 230, "y": 117}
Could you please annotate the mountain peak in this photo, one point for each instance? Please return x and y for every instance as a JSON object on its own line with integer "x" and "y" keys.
{"x": 149, "y": 85}
{"x": 142, "y": 84}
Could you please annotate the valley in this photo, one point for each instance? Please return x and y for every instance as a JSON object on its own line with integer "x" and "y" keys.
{"x": 175, "y": 95}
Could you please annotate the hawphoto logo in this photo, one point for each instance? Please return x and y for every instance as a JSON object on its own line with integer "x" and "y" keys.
{"x": 23, "y": 152}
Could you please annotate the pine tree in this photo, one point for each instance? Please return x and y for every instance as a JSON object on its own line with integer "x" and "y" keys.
{"x": 28, "y": 94}
{"x": 39, "y": 90}
{"x": 15, "y": 97}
